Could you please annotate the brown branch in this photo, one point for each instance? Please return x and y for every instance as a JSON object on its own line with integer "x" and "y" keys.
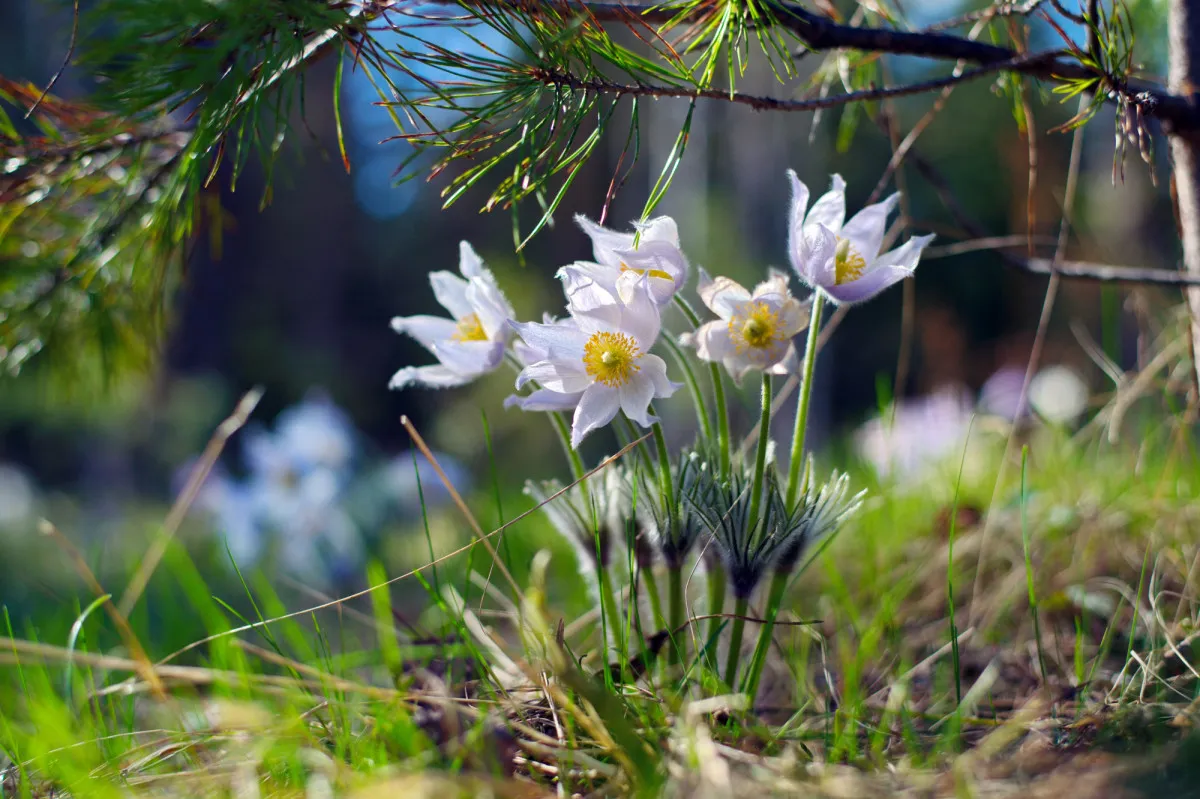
{"x": 818, "y": 33}
{"x": 762, "y": 103}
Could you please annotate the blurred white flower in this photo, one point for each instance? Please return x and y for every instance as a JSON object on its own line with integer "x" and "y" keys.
{"x": 16, "y": 496}
{"x": 316, "y": 433}
{"x": 401, "y": 475}
{"x": 1058, "y": 394}
{"x": 923, "y": 434}
{"x": 620, "y": 263}
{"x": 472, "y": 342}
{"x": 842, "y": 259}
{"x": 604, "y": 359}
{"x": 290, "y": 502}
{"x": 1001, "y": 393}
{"x": 754, "y": 331}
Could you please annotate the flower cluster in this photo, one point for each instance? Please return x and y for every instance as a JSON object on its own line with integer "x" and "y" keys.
{"x": 597, "y": 362}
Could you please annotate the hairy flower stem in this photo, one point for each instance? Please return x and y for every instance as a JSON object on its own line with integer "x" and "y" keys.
{"x": 716, "y": 606}
{"x": 611, "y": 617}
{"x": 675, "y": 608}
{"x": 664, "y": 466}
{"x": 760, "y": 457}
{"x": 564, "y": 435}
{"x": 778, "y": 585}
{"x": 651, "y": 583}
{"x": 718, "y": 393}
{"x": 740, "y": 609}
{"x": 693, "y": 385}
{"x": 810, "y": 357}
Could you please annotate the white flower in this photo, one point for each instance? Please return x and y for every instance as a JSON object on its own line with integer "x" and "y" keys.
{"x": 604, "y": 358}
{"x": 921, "y": 433}
{"x": 473, "y": 341}
{"x": 315, "y": 432}
{"x": 1058, "y": 394}
{"x": 620, "y": 264}
{"x": 843, "y": 260}
{"x": 754, "y": 330}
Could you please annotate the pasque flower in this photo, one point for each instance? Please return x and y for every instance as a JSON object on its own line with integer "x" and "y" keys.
{"x": 542, "y": 399}
{"x": 841, "y": 258}
{"x": 623, "y": 259}
{"x": 604, "y": 358}
{"x": 467, "y": 345}
{"x": 754, "y": 330}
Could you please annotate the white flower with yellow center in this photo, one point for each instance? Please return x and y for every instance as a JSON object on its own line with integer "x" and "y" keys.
{"x": 470, "y": 343}
{"x": 841, "y": 258}
{"x": 754, "y": 330}
{"x": 620, "y": 263}
{"x": 601, "y": 362}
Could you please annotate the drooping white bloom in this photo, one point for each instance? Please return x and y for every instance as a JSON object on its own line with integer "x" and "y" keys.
{"x": 841, "y": 258}
{"x": 604, "y": 358}
{"x": 620, "y": 263}
{"x": 754, "y": 330}
{"x": 469, "y": 344}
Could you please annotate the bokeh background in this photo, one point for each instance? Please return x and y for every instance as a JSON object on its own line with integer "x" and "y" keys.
{"x": 296, "y": 297}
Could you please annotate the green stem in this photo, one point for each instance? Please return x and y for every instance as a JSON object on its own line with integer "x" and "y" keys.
{"x": 760, "y": 458}
{"x": 660, "y": 621}
{"x": 716, "y": 606}
{"x": 689, "y": 378}
{"x": 664, "y": 466}
{"x": 740, "y": 609}
{"x": 611, "y": 617}
{"x": 718, "y": 382}
{"x": 718, "y": 391}
{"x": 564, "y": 435}
{"x": 774, "y": 600}
{"x": 676, "y": 611}
{"x": 810, "y": 358}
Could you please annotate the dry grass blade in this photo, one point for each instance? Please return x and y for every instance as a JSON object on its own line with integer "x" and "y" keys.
{"x": 141, "y": 660}
{"x": 179, "y": 510}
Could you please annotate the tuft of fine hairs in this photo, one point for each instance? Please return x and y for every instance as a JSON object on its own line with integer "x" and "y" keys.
{"x": 591, "y": 518}
{"x": 820, "y": 510}
{"x": 675, "y": 530}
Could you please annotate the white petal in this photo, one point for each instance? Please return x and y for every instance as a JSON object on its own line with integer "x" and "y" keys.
{"x": 556, "y": 376}
{"x": 713, "y": 342}
{"x": 789, "y": 364}
{"x": 564, "y": 337}
{"x": 433, "y": 376}
{"x": 491, "y": 306}
{"x": 605, "y": 242}
{"x": 830, "y": 209}
{"x": 639, "y": 316}
{"x": 907, "y": 255}
{"x": 469, "y": 262}
{"x": 776, "y": 284}
{"x": 428, "y": 330}
{"x": 655, "y": 369}
{"x": 873, "y": 282}
{"x": 470, "y": 357}
{"x": 820, "y": 246}
{"x": 794, "y": 316}
{"x": 543, "y": 399}
{"x": 597, "y": 407}
{"x": 722, "y": 296}
{"x": 636, "y": 395}
{"x": 451, "y": 291}
{"x": 867, "y": 228}
{"x": 660, "y": 228}
{"x": 796, "y": 210}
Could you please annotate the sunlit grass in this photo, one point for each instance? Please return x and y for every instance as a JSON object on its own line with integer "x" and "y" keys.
{"x": 445, "y": 682}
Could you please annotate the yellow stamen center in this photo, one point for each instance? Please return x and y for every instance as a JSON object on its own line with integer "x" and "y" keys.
{"x": 848, "y": 264}
{"x": 611, "y": 358}
{"x": 659, "y": 273}
{"x": 757, "y": 326}
{"x": 469, "y": 328}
